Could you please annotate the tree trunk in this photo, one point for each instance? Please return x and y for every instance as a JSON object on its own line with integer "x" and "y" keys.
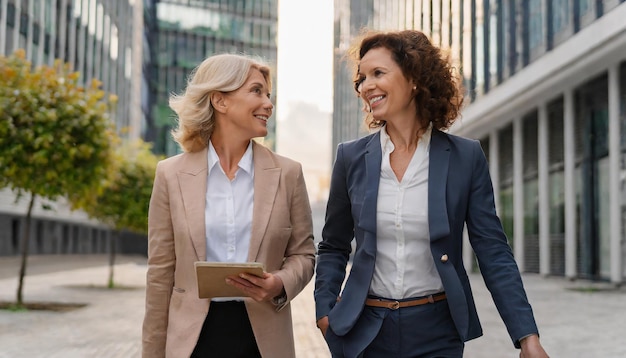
{"x": 25, "y": 244}
{"x": 112, "y": 250}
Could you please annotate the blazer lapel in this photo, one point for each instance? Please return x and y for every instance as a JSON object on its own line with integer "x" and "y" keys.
{"x": 346, "y": 312}
{"x": 192, "y": 180}
{"x": 266, "y": 179}
{"x": 437, "y": 181}
{"x": 373, "y": 158}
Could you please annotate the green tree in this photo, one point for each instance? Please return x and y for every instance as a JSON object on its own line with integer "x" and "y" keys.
{"x": 123, "y": 202}
{"x": 55, "y": 136}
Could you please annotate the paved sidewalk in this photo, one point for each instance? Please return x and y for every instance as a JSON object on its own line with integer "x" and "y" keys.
{"x": 110, "y": 324}
{"x": 576, "y": 319}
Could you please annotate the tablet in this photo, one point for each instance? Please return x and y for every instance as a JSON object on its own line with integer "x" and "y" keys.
{"x": 211, "y": 277}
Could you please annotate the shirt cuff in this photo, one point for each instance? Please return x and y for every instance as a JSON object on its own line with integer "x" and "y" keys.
{"x": 280, "y": 300}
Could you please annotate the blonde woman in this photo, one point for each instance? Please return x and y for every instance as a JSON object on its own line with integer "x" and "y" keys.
{"x": 227, "y": 199}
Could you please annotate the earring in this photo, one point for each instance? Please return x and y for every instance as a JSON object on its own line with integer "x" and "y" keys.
{"x": 414, "y": 88}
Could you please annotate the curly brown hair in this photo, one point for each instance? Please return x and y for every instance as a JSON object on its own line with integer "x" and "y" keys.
{"x": 438, "y": 98}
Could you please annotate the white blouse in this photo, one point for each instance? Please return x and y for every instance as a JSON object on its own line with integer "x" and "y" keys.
{"x": 228, "y": 209}
{"x": 404, "y": 263}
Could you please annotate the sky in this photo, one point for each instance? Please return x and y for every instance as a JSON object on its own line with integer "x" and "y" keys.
{"x": 304, "y": 89}
{"x": 305, "y": 47}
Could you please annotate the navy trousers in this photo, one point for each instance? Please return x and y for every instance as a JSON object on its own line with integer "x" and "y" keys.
{"x": 425, "y": 331}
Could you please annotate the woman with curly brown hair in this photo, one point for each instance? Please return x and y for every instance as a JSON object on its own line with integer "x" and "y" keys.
{"x": 405, "y": 194}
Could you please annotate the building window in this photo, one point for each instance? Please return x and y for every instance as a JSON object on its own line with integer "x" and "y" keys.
{"x": 11, "y": 15}
{"x": 585, "y": 13}
{"x": 505, "y": 144}
{"x": 479, "y": 62}
{"x": 560, "y": 12}
{"x": 556, "y": 187}
{"x": 496, "y": 46}
{"x": 622, "y": 116}
{"x": 559, "y": 21}
{"x": 531, "y": 192}
{"x": 509, "y": 48}
{"x": 258, "y": 5}
{"x": 592, "y": 174}
{"x": 24, "y": 22}
{"x": 536, "y": 34}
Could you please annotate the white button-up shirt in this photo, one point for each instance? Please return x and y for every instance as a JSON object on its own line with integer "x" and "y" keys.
{"x": 228, "y": 209}
{"x": 404, "y": 263}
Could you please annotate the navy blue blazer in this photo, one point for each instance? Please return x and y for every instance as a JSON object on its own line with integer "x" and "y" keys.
{"x": 459, "y": 192}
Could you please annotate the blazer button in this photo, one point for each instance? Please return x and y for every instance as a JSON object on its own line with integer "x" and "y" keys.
{"x": 444, "y": 258}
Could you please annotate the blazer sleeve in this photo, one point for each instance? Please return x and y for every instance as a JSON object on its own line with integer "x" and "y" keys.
{"x": 298, "y": 265}
{"x": 495, "y": 257}
{"x": 335, "y": 248}
{"x": 160, "y": 274}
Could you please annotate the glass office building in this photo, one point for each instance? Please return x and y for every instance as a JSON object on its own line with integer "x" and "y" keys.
{"x": 142, "y": 51}
{"x": 94, "y": 36}
{"x": 545, "y": 86}
{"x": 102, "y": 40}
{"x": 191, "y": 30}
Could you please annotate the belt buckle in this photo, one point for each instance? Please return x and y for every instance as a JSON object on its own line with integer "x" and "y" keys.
{"x": 394, "y": 305}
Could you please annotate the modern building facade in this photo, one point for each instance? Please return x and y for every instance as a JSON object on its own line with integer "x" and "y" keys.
{"x": 548, "y": 104}
{"x": 101, "y": 40}
{"x": 350, "y": 17}
{"x": 96, "y": 37}
{"x": 191, "y": 30}
{"x": 142, "y": 51}
{"x": 546, "y": 95}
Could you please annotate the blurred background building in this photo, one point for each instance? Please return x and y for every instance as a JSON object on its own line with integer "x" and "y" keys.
{"x": 101, "y": 40}
{"x": 185, "y": 32}
{"x": 546, "y": 95}
{"x": 142, "y": 51}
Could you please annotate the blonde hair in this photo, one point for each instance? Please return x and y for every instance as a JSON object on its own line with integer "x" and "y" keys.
{"x": 218, "y": 73}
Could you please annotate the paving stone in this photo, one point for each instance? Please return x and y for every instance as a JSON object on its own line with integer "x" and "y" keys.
{"x": 576, "y": 319}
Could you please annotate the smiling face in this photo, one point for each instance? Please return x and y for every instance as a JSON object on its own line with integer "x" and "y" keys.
{"x": 383, "y": 86}
{"x": 248, "y": 108}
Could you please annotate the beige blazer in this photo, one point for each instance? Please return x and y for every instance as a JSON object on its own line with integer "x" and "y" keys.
{"x": 282, "y": 238}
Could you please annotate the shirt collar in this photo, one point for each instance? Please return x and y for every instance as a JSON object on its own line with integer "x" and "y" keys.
{"x": 385, "y": 142}
{"x": 425, "y": 140}
{"x": 387, "y": 145}
{"x": 245, "y": 162}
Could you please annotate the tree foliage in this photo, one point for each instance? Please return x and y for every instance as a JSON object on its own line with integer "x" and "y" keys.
{"x": 55, "y": 135}
{"x": 123, "y": 201}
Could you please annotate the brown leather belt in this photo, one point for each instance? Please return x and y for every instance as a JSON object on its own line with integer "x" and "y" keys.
{"x": 394, "y": 305}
